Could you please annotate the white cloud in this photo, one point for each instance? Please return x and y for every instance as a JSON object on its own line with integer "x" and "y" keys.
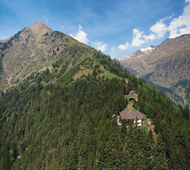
{"x": 62, "y": 26}
{"x": 149, "y": 37}
{"x": 181, "y": 25}
{"x": 124, "y": 47}
{"x": 159, "y": 29}
{"x": 81, "y": 36}
{"x": 137, "y": 38}
{"x": 178, "y": 26}
{"x": 100, "y": 46}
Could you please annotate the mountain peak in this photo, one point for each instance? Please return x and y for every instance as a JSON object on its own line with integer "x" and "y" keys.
{"x": 39, "y": 24}
{"x": 39, "y": 28}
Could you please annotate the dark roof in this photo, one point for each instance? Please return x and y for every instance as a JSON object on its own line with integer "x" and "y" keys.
{"x": 131, "y": 115}
{"x": 132, "y": 98}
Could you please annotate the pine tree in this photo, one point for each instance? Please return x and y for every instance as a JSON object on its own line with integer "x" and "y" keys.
{"x": 123, "y": 131}
{"x": 186, "y": 112}
{"x": 160, "y": 159}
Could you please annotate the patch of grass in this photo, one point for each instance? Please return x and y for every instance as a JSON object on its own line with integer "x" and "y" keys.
{"x": 133, "y": 94}
{"x": 44, "y": 69}
{"x": 87, "y": 69}
{"x": 107, "y": 74}
{"x": 80, "y": 73}
{"x": 130, "y": 107}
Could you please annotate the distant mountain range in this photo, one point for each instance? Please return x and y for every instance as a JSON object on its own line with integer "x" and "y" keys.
{"x": 166, "y": 65}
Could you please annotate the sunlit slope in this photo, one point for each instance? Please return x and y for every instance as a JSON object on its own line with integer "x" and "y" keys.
{"x": 36, "y": 48}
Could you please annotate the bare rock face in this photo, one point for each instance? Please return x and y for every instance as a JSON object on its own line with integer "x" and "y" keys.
{"x": 38, "y": 29}
{"x": 19, "y": 50}
{"x": 30, "y": 50}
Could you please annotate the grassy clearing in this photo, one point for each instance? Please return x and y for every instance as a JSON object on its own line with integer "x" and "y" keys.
{"x": 80, "y": 73}
{"x": 130, "y": 107}
{"x": 133, "y": 94}
{"x": 107, "y": 74}
{"x": 44, "y": 69}
{"x": 85, "y": 70}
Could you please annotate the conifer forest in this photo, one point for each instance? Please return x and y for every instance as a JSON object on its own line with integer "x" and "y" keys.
{"x": 68, "y": 124}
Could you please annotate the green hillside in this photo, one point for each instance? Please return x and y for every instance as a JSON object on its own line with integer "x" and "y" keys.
{"x": 57, "y": 114}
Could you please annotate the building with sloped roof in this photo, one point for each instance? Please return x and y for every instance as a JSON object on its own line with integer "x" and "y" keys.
{"x": 131, "y": 117}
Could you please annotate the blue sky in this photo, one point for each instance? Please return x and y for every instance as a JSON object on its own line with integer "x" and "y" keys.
{"x": 117, "y": 28}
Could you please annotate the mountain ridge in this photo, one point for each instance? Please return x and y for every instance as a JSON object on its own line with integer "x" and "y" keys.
{"x": 13, "y": 48}
{"x": 29, "y": 52}
{"x": 38, "y": 28}
{"x": 166, "y": 65}
{"x": 25, "y": 51}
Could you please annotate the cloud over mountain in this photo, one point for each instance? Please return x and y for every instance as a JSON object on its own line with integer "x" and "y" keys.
{"x": 100, "y": 46}
{"x": 124, "y": 47}
{"x": 81, "y": 36}
{"x": 157, "y": 31}
{"x": 181, "y": 25}
{"x": 178, "y": 26}
{"x": 137, "y": 38}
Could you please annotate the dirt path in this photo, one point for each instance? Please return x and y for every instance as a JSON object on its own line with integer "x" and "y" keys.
{"x": 152, "y": 128}
{"x": 118, "y": 122}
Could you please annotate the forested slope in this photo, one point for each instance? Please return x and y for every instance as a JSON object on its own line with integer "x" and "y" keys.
{"x": 54, "y": 120}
